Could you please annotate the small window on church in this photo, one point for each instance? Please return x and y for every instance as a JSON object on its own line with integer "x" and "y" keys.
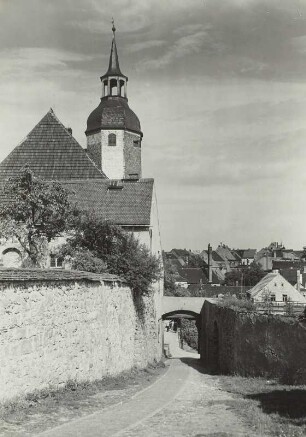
{"x": 56, "y": 262}
{"x": 112, "y": 140}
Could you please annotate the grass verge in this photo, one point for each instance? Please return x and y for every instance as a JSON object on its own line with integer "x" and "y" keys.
{"x": 269, "y": 408}
{"x": 47, "y": 408}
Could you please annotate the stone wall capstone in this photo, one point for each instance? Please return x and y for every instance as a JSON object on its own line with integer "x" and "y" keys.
{"x": 57, "y": 326}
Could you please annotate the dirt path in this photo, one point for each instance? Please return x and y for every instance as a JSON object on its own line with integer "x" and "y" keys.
{"x": 183, "y": 402}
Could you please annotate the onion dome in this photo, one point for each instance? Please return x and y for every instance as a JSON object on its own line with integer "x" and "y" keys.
{"x": 113, "y": 111}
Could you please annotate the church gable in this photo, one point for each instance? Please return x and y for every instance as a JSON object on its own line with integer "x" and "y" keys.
{"x": 52, "y": 154}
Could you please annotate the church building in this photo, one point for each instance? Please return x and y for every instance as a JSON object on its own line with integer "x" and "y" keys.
{"x": 106, "y": 177}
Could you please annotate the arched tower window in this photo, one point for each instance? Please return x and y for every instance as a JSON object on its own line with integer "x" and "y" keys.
{"x": 112, "y": 139}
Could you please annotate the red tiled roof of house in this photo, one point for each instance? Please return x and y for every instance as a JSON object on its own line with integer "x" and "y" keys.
{"x": 52, "y": 153}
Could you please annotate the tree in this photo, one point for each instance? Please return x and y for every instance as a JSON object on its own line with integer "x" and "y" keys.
{"x": 33, "y": 212}
{"x": 108, "y": 246}
{"x": 253, "y": 274}
{"x": 248, "y": 276}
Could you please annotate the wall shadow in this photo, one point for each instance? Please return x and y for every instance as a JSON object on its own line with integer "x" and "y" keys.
{"x": 289, "y": 403}
{"x": 195, "y": 363}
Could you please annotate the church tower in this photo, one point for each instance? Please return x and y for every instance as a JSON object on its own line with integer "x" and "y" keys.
{"x": 113, "y": 130}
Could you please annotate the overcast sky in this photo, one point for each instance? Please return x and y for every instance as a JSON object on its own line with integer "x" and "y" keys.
{"x": 219, "y": 87}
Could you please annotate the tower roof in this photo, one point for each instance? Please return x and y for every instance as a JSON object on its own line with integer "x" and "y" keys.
{"x": 113, "y": 66}
{"x": 51, "y": 153}
{"x": 113, "y": 112}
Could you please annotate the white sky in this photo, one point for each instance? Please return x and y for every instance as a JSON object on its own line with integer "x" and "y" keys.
{"x": 220, "y": 90}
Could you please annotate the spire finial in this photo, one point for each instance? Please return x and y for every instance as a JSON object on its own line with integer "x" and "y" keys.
{"x": 113, "y": 28}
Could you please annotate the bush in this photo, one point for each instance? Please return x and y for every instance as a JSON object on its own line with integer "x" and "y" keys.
{"x": 234, "y": 303}
{"x": 99, "y": 245}
{"x": 189, "y": 333}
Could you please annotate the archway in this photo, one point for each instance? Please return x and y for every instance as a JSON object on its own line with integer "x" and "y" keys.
{"x": 186, "y": 332}
{"x": 11, "y": 257}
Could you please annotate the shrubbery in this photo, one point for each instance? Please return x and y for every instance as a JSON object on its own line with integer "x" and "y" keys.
{"x": 189, "y": 333}
{"x": 97, "y": 245}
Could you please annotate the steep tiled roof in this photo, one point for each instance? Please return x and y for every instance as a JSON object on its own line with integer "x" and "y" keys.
{"x": 126, "y": 202}
{"x": 225, "y": 253}
{"x": 52, "y": 153}
{"x": 287, "y": 264}
{"x": 194, "y": 275}
{"x": 290, "y": 275}
{"x": 248, "y": 253}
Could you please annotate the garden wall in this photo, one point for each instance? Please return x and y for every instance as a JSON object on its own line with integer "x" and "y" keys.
{"x": 57, "y": 326}
{"x": 251, "y": 344}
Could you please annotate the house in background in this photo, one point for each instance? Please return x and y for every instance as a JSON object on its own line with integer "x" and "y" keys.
{"x": 275, "y": 288}
{"x": 218, "y": 265}
{"x": 267, "y": 256}
{"x": 230, "y": 258}
{"x": 247, "y": 256}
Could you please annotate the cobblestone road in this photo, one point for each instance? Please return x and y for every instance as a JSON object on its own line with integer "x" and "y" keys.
{"x": 183, "y": 402}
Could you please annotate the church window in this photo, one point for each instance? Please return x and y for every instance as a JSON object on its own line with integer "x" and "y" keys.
{"x": 56, "y": 262}
{"x": 112, "y": 140}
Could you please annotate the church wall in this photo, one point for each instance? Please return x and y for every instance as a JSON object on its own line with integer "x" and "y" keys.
{"x": 94, "y": 148}
{"x": 52, "y": 331}
{"x": 132, "y": 154}
{"x": 112, "y": 156}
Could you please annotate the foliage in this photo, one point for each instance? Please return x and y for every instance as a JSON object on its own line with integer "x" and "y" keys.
{"x": 34, "y": 212}
{"x": 169, "y": 277}
{"x": 248, "y": 276}
{"x": 239, "y": 304}
{"x": 189, "y": 333}
{"x": 267, "y": 301}
{"x": 108, "y": 245}
{"x": 84, "y": 260}
{"x": 178, "y": 292}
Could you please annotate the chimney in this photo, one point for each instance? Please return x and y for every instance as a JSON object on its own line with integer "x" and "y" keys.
{"x": 209, "y": 264}
{"x": 69, "y": 130}
{"x": 298, "y": 280}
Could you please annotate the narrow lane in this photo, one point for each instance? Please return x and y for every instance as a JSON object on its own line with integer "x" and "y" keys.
{"x": 183, "y": 402}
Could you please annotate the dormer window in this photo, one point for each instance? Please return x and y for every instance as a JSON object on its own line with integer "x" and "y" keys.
{"x": 112, "y": 140}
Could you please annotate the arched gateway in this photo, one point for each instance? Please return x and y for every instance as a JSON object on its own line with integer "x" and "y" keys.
{"x": 183, "y": 308}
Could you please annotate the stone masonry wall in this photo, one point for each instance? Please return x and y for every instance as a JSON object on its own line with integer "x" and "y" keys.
{"x": 132, "y": 154}
{"x": 55, "y": 330}
{"x": 251, "y": 344}
{"x": 94, "y": 148}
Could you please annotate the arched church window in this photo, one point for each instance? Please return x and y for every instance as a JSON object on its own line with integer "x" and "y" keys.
{"x": 112, "y": 140}
{"x": 11, "y": 257}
